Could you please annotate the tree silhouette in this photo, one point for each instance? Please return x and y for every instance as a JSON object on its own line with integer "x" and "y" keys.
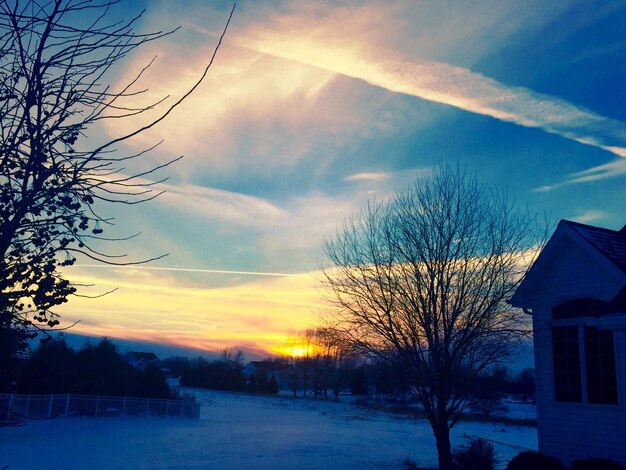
{"x": 421, "y": 282}
{"x": 55, "y": 57}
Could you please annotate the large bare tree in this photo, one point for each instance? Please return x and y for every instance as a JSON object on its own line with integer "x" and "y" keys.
{"x": 56, "y": 57}
{"x": 421, "y": 281}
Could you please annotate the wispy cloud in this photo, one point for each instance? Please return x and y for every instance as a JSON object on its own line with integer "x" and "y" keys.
{"x": 590, "y": 216}
{"x": 185, "y": 270}
{"x": 238, "y": 208}
{"x": 377, "y": 176}
{"x": 438, "y": 82}
{"x": 600, "y": 172}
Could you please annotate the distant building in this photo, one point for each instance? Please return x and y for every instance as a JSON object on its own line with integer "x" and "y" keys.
{"x": 576, "y": 294}
{"x": 268, "y": 370}
{"x": 140, "y": 360}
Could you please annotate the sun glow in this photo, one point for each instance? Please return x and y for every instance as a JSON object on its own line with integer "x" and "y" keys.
{"x": 259, "y": 314}
{"x": 296, "y": 347}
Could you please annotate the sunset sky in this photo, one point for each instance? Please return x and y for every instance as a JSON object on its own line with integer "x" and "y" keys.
{"x": 313, "y": 108}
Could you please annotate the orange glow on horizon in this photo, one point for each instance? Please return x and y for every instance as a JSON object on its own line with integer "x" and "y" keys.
{"x": 260, "y": 316}
{"x": 295, "y": 350}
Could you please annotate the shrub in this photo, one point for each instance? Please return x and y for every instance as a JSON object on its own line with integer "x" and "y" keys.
{"x": 533, "y": 460}
{"x": 409, "y": 464}
{"x": 596, "y": 464}
{"x": 477, "y": 455}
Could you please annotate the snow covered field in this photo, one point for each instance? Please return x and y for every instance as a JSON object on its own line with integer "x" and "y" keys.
{"x": 237, "y": 431}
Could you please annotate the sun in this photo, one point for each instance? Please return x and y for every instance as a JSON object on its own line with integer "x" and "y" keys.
{"x": 295, "y": 350}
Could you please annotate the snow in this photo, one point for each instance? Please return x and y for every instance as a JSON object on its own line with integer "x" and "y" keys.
{"x": 243, "y": 431}
{"x": 519, "y": 410}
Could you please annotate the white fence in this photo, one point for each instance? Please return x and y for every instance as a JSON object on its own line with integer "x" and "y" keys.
{"x": 14, "y": 407}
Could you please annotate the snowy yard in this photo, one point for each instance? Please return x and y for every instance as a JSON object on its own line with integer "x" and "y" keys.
{"x": 241, "y": 431}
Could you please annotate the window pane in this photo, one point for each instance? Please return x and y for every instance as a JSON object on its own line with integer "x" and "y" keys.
{"x": 600, "y": 365}
{"x": 566, "y": 357}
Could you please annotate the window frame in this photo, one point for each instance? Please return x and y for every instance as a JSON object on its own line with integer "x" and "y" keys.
{"x": 580, "y": 323}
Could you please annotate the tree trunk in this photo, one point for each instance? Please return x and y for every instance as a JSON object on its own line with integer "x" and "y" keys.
{"x": 444, "y": 450}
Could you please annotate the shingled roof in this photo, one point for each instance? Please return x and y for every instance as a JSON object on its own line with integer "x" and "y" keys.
{"x": 611, "y": 243}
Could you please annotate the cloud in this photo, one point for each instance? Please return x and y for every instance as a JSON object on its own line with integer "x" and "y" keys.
{"x": 216, "y": 123}
{"x": 590, "y": 216}
{"x": 238, "y": 208}
{"x": 158, "y": 306}
{"x": 317, "y": 45}
{"x": 257, "y": 114}
{"x": 608, "y": 170}
{"x": 378, "y": 176}
{"x": 186, "y": 270}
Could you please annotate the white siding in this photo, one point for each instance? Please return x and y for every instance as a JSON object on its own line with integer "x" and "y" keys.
{"x": 571, "y": 272}
{"x": 572, "y": 431}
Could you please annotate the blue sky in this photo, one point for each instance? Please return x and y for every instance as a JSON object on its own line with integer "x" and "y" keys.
{"x": 313, "y": 108}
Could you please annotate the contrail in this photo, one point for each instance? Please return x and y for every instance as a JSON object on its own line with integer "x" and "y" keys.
{"x": 451, "y": 85}
{"x": 188, "y": 270}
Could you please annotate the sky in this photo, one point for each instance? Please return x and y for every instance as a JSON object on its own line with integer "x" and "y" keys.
{"x": 313, "y": 108}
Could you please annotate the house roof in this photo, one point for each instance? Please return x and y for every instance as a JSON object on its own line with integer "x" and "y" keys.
{"x": 144, "y": 356}
{"x": 610, "y": 243}
{"x": 606, "y": 246}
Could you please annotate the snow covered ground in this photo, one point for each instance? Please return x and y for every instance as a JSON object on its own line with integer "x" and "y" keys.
{"x": 237, "y": 431}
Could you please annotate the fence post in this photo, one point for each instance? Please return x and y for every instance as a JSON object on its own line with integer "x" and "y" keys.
{"x": 50, "y": 405}
{"x": 97, "y": 404}
{"x": 124, "y": 407}
{"x": 67, "y": 404}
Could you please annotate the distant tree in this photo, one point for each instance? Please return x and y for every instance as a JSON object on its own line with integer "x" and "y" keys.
{"x": 225, "y": 373}
{"x": 55, "y": 58}
{"x": 51, "y": 369}
{"x": 151, "y": 383}
{"x": 101, "y": 370}
{"x": 524, "y": 385}
{"x": 12, "y": 352}
{"x": 272, "y": 386}
{"x": 421, "y": 281}
{"x": 390, "y": 380}
{"x": 93, "y": 370}
{"x": 359, "y": 384}
{"x": 177, "y": 365}
{"x": 293, "y": 377}
{"x": 490, "y": 387}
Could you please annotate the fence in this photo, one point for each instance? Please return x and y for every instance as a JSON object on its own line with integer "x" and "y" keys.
{"x": 14, "y": 407}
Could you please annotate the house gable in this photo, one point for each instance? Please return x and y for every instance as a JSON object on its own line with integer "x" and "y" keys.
{"x": 569, "y": 266}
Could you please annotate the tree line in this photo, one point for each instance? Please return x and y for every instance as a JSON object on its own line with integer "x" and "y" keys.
{"x": 94, "y": 369}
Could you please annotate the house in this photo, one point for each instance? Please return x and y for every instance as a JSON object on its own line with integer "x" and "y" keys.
{"x": 576, "y": 294}
{"x": 267, "y": 370}
{"x": 140, "y": 360}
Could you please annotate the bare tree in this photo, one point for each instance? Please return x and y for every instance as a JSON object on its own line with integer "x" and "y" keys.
{"x": 328, "y": 358}
{"x": 55, "y": 58}
{"x": 421, "y": 281}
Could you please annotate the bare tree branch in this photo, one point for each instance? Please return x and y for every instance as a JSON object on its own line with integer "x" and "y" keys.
{"x": 55, "y": 57}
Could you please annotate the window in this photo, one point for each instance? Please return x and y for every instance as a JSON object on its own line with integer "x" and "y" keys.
{"x": 598, "y": 355}
{"x": 566, "y": 357}
{"x": 600, "y": 366}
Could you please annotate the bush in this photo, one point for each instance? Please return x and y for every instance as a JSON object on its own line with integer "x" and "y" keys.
{"x": 533, "y": 460}
{"x": 596, "y": 464}
{"x": 477, "y": 455}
